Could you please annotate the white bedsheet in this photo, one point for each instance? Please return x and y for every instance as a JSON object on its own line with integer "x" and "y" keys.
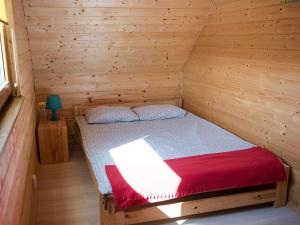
{"x": 171, "y": 138}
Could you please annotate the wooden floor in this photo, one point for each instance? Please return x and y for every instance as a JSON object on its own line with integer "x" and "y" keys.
{"x": 67, "y": 197}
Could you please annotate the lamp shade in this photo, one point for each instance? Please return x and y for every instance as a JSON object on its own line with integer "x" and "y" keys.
{"x": 53, "y": 102}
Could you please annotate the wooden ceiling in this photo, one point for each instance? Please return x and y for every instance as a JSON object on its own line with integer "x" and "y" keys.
{"x": 244, "y": 75}
{"x": 112, "y": 50}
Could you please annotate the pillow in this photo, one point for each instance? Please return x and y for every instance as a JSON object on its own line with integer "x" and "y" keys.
{"x": 110, "y": 114}
{"x": 156, "y": 112}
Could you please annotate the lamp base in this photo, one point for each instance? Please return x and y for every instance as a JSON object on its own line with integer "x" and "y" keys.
{"x": 54, "y": 116}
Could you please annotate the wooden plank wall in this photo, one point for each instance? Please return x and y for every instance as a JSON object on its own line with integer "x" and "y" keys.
{"x": 18, "y": 159}
{"x": 111, "y": 50}
{"x": 244, "y": 74}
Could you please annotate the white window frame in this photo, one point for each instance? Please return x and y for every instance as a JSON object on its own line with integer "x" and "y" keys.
{"x": 5, "y": 87}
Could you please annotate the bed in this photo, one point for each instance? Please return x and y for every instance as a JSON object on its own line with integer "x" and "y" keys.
{"x": 167, "y": 141}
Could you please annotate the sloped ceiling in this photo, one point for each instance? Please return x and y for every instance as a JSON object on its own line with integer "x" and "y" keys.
{"x": 244, "y": 75}
{"x": 112, "y": 50}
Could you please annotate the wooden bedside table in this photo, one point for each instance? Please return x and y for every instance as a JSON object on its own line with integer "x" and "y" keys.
{"x": 53, "y": 141}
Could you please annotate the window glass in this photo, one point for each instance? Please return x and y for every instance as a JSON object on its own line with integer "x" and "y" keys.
{"x": 2, "y": 68}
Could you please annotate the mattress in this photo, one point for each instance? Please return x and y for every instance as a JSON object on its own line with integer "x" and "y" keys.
{"x": 191, "y": 135}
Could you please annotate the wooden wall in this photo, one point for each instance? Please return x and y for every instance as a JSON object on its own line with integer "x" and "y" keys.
{"x": 244, "y": 74}
{"x": 18, "y": 159}
{"x": 111, "y": 51}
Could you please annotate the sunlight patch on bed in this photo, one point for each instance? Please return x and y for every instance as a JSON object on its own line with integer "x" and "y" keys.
{"x": 143, "y": 169}
{"x": 172, "y": 211}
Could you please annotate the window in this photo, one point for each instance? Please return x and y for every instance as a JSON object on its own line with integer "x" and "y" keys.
{"x": 5, "y": 87}
{"x": 9, "y": 106}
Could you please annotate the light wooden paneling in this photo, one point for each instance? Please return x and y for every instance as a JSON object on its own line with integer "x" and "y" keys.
{"x": 111, "y": 51}
{"x": 244, "y": 74}
{"x": 18, "y": 159}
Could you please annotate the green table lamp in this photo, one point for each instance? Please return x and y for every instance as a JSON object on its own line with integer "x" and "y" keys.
{"x": 53, "y": 103}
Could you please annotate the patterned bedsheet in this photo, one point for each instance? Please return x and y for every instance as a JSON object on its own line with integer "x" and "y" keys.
{"x": 166, "y": 139}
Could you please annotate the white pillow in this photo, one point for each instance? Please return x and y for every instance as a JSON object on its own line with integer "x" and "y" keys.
{"x": 156, "y": 112}
{"x": 110, "y": 114}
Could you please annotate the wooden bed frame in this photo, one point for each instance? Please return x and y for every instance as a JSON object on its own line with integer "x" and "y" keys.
{"x": 183, "y": 207}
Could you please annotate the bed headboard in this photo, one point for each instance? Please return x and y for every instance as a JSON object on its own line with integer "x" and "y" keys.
{"x": 79, "y": 110}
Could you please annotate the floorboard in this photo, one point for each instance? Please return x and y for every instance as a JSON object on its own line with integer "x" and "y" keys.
{"x": 67, "y": 197}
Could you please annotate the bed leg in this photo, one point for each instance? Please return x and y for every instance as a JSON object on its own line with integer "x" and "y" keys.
{"x": 107, "y": 212}
{"x": 282, "y": 190}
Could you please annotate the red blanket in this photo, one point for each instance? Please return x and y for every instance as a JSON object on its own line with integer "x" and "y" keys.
{"x": 190, "y": 175}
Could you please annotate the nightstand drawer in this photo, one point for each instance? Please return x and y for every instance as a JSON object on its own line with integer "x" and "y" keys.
{"x": 53, "y": 141}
